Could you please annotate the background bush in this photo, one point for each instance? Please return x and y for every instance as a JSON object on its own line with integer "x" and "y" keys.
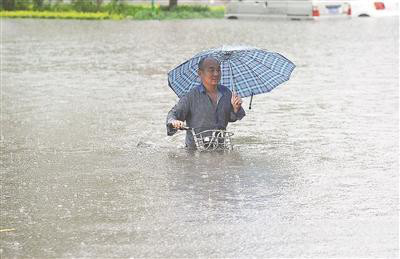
{"x": 15, "y": 4}
{"x": 115, "y": 9}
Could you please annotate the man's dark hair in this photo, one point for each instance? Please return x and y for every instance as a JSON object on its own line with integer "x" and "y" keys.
{"x": 203, "y": 59}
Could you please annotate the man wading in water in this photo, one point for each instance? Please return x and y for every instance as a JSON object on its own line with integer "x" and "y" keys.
{"x": 207, "y": 106}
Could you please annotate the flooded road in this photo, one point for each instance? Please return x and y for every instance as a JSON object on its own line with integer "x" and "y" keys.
{"x": 88, "y": 171}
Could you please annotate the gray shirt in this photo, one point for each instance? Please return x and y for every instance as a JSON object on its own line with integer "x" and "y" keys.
{"x": 197, "y": 109}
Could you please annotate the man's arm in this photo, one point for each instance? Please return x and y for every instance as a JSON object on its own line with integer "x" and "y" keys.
{"x": 178, "y": 113}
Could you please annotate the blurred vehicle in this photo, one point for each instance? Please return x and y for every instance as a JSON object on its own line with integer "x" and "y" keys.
{"x": 293, "y": 9}
{"x": 374, "y": 8}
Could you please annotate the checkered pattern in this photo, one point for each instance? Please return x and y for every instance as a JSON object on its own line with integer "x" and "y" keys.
{"x": 248, "y": 71}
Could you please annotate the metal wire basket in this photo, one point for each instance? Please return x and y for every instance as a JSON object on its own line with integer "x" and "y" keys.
{"x": 210, "y": 140}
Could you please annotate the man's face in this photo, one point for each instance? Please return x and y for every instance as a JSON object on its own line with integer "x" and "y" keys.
{"x": 210, "y": 73}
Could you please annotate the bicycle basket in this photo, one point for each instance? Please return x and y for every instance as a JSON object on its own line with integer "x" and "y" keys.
{"x": 210, "y": 140}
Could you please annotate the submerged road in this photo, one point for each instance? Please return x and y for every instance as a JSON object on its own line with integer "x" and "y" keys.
{"x": 88, "y": 171}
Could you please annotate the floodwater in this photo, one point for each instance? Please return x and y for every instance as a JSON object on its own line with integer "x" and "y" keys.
{"x": 88, "y": 171}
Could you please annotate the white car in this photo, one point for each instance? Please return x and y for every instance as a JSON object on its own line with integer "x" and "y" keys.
{"x": 374, "y": 8}
{"x": 293, "y": 9}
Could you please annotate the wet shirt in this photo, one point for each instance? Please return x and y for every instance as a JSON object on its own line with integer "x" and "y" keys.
{"x": 199, "y": 112}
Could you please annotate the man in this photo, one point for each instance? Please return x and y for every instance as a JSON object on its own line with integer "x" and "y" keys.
{"x": 208, "y": 106}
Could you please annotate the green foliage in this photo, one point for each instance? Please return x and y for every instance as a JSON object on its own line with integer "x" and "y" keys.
{"x": 116, "y": 9}
{"x": 187, "y": 8}
{"x": 119, "y": 7}
{"x": 59, "y": 7}
{"x": 37, "y": 4}
{"x": 115, "y": 6}
{"x": 191, "y": 12}
{"x": 15, "y": 4}
{"x": 86, "y": 6}
{"x": 22, "y": 4}
{"x": 145, "y": 12}
{"x": 59, "y": 15}
{"x": 7, "y": 4}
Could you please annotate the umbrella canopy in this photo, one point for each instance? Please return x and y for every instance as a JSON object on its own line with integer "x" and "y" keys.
{"x": 246, "y": 70}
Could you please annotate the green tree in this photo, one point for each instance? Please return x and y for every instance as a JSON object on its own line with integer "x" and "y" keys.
{"x": 7, "y": 5}
{"x": 84, "y": 5}
{"x": 173, "y": 4}
{"x": 116, "y": 6}
{"x": 37, "y": 4}
{"x": 98, "y": 4}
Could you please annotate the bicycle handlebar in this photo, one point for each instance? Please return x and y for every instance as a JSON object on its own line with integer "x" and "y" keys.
{"x": 183, "y": 128}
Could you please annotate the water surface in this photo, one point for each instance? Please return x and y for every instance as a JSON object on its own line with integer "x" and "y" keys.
{"x": 87, "y": 169}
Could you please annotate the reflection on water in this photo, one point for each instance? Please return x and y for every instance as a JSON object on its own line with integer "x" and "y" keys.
{"x": 87, "y": 169}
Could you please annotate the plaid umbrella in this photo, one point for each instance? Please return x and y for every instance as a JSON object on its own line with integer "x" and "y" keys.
{"x": 246, "y": 70}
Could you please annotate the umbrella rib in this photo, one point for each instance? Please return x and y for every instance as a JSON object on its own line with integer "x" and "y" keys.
{"x": 190, "y": 75}
{"x": 186, "y": 75}
{"x": 183, "y": 71}
{"x": 240, "y": 74}
{"x": 266, "y": 81}
{"x": 277, "y": 75}
{"x": 256, "y": 59}
{"x": 260, "y": 79}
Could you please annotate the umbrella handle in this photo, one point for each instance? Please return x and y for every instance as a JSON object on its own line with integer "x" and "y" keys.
{"x": 251, "y": 99}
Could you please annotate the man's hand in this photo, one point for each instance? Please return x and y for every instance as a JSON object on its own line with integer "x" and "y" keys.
{"x": 177, "y": 124}
{"x": 236, "y": 102}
